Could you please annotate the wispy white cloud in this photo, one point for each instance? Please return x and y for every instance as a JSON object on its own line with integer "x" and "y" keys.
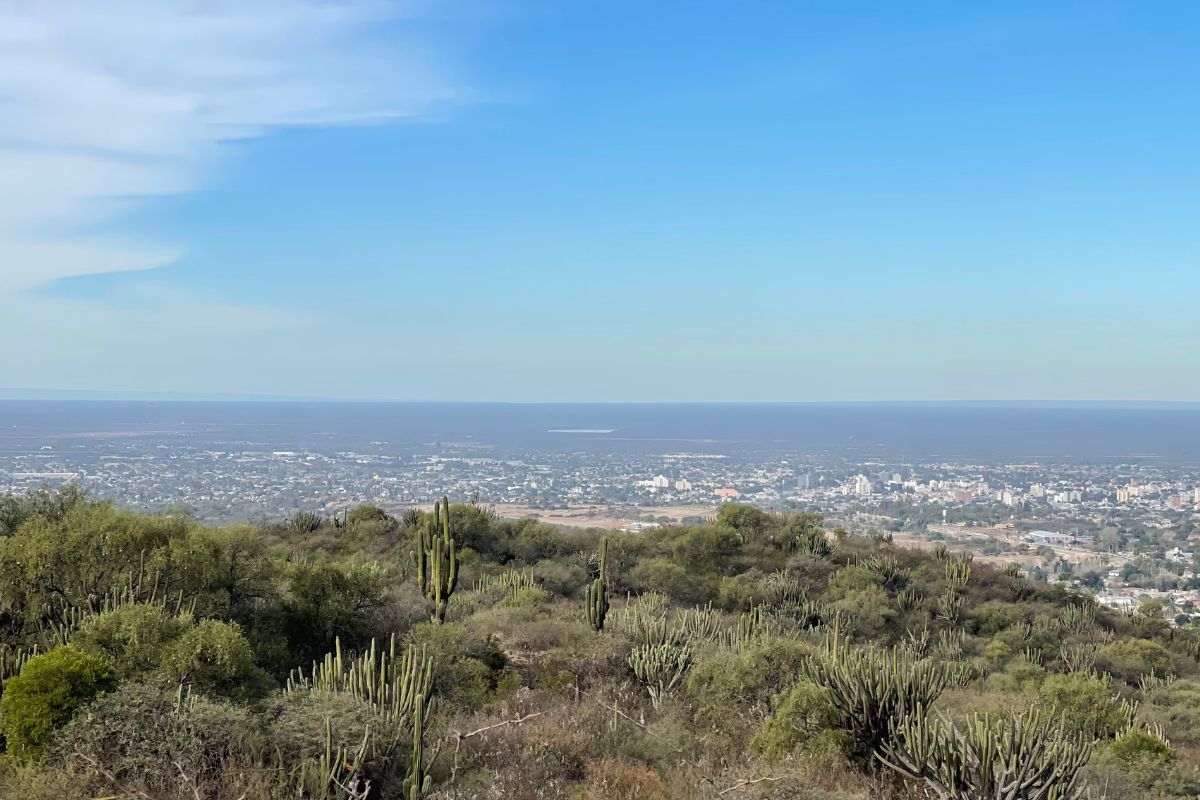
{"x": 106, "y": 102}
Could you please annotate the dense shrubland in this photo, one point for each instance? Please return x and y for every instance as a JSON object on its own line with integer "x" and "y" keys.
{"x": 449, "y": 654}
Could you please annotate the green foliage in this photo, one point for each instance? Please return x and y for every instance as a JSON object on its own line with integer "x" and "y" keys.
{"x": 718, "y": 616}
{"x": 45, "y": 503}
{"x": 327, "y": 601}
{"x": 1138, "y": 745}
{"x": 368, "y": 514}
{"x": 674, "y": 580}
{"x": 1086, "y": 704}
{"x": 1131, "y": 659}
{"x": 132, "y": 638}
{"x": 84, "y": 553}
{"x": 215, "y": 658}
{"x": 747, "y": 521}
{"x": 803, "y": 713}
{"x": 468, "y": 667}
{"x": 45, "y": 695}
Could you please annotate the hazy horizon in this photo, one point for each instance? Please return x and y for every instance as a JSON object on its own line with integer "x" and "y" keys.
{"x": 84, "y": 395}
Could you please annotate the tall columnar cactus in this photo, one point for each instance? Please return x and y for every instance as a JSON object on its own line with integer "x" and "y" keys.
{"x": 597, "y": 592}
{"x": 1024, "y": 758}
{"x": 437, "y": 559}
{"x": 418, "y": 781}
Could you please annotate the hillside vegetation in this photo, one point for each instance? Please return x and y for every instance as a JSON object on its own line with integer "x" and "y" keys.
{"x": 450, "y": 654}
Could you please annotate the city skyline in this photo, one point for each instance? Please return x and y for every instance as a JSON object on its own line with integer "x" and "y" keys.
{"x": 516, "y": 202}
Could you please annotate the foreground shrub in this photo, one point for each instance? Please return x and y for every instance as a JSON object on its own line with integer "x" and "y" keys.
{"x": 805, "y": 717}
{"x": 45, "y": 695}
{"x": 144, "y": 735}
{"x": 611, "y": 779}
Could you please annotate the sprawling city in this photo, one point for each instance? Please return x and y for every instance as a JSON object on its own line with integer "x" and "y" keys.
{"x": 1126, "y": 532}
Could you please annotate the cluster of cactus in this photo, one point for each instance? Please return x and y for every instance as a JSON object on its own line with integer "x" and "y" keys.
{"x": 13, "y": 659}
{"x": 871, "y": 688}
{"x": 1079, "y": 657}
{"x": 749, "y": 627}
{"x": 393, "y": 682}
{"x": 508, "y": 582}
{"x": 812, "y": 542}
{"x": 950, "y": 606}
{"x": 941, "y": 552}
{"x": 1151, "y": 683}
{"x": 787, "y": 598}
{"x": 963, "y": 673}
{"x": 596, "y": 603}
{"x": 908, "y": 599}
{"x": 1034, "y": 655}
{"x": 645, "y": 621}
{"x": 305, "y": 522}
{"x": 701, "y": 624}
{"x": 1024, "y": 758}
{"x": 437, "y": 559}
{"x": 335, "y": 773}
{"x": 1017, "y": 583}
{"x": 1078, "y": 619}
{"x": 917, "y": 641}
{"x": 398, "y": 686}
{"x": 958, "y": 573}
{"x": 660, "y": 667}
{"x": 59, "y": 622}
{"x": 1046, "y": 627}
{"x": 950, "y": 643}
{"x": 888, "y": 569}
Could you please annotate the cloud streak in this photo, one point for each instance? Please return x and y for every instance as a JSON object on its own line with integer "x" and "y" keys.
{"x": 104, "y": 104}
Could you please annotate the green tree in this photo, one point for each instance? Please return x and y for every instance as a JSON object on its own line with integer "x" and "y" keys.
{"x": 45, "y": 694}
{"x": 1085, "y": 703}
{"x": 132, "y": 637}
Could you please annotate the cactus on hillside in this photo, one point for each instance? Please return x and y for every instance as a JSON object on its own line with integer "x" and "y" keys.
{"x": 597, "y": 592}
{"x": 392, "y": 682}
{"x": 870, "y": 689}
{"x": 418, "y": 781}
{"x": 660, "y": 668}
{"x": 958, "y": 572}
{"x": 1024, "y": 758}
{"x": 437, "y": 559}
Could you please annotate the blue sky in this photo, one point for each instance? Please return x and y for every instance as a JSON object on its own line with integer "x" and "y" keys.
{"x": 602, "y": 201}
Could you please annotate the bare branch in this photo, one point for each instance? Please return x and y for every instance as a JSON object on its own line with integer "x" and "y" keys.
{"x": 737, "y": 787}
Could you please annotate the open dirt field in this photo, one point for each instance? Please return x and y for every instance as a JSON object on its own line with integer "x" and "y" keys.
{"x": 607, "y": 517}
